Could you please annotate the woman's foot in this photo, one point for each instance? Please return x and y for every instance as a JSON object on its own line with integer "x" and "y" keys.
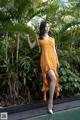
{"x": 50, "y": 111}
{"x": 50, "y": 108}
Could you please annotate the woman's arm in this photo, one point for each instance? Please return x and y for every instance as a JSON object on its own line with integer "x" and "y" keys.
{"x": 31, "y": 44}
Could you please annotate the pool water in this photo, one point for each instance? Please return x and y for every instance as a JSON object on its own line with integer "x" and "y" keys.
{"x": 70, "y": 114}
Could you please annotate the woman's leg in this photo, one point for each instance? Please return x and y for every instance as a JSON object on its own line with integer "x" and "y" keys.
{"x": 52, "y": 88}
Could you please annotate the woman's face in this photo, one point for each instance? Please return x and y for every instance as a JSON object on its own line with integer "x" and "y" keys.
{"x": 47, "y": 28}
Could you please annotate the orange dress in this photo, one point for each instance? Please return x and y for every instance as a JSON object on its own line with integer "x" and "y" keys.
{"x": 48, "y": 61}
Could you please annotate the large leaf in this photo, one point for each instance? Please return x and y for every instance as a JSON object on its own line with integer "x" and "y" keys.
{"x": 3, "y": 2}
{"x": 9, "y": 27}
{"x": 69, "y": 25}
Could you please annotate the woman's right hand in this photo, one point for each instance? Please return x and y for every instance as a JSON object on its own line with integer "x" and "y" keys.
{"x": 31, "y": 44}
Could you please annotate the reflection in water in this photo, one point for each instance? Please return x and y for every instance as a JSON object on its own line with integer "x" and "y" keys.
{"x": 50, "y": 117}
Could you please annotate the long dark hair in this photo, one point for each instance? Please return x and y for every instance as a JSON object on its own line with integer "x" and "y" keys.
{"x": 42, "y": 29}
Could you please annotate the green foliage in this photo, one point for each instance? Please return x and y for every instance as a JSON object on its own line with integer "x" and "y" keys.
{"x": 69, "y": 80}
{"x": 20, "y": 73}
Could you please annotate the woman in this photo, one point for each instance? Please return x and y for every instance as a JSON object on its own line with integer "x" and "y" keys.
{"x": 49, "y": 63}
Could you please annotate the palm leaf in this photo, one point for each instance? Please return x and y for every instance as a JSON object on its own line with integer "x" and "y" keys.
{"x": 66, "y": 26}
{"x": 3, "y": 2}
{"x": 9, "y": 27}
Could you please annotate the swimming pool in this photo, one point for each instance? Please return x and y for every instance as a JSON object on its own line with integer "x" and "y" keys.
{"x": 70, "y": 114}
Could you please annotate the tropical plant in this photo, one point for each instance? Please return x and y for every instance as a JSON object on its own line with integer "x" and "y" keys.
{"x": 19, "y": 65}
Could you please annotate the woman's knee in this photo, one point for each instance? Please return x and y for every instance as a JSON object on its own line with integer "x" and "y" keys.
{"x": 52, "y": 75}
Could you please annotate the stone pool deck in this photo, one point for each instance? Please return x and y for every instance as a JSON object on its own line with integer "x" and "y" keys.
{"x": 24, "y": 112}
